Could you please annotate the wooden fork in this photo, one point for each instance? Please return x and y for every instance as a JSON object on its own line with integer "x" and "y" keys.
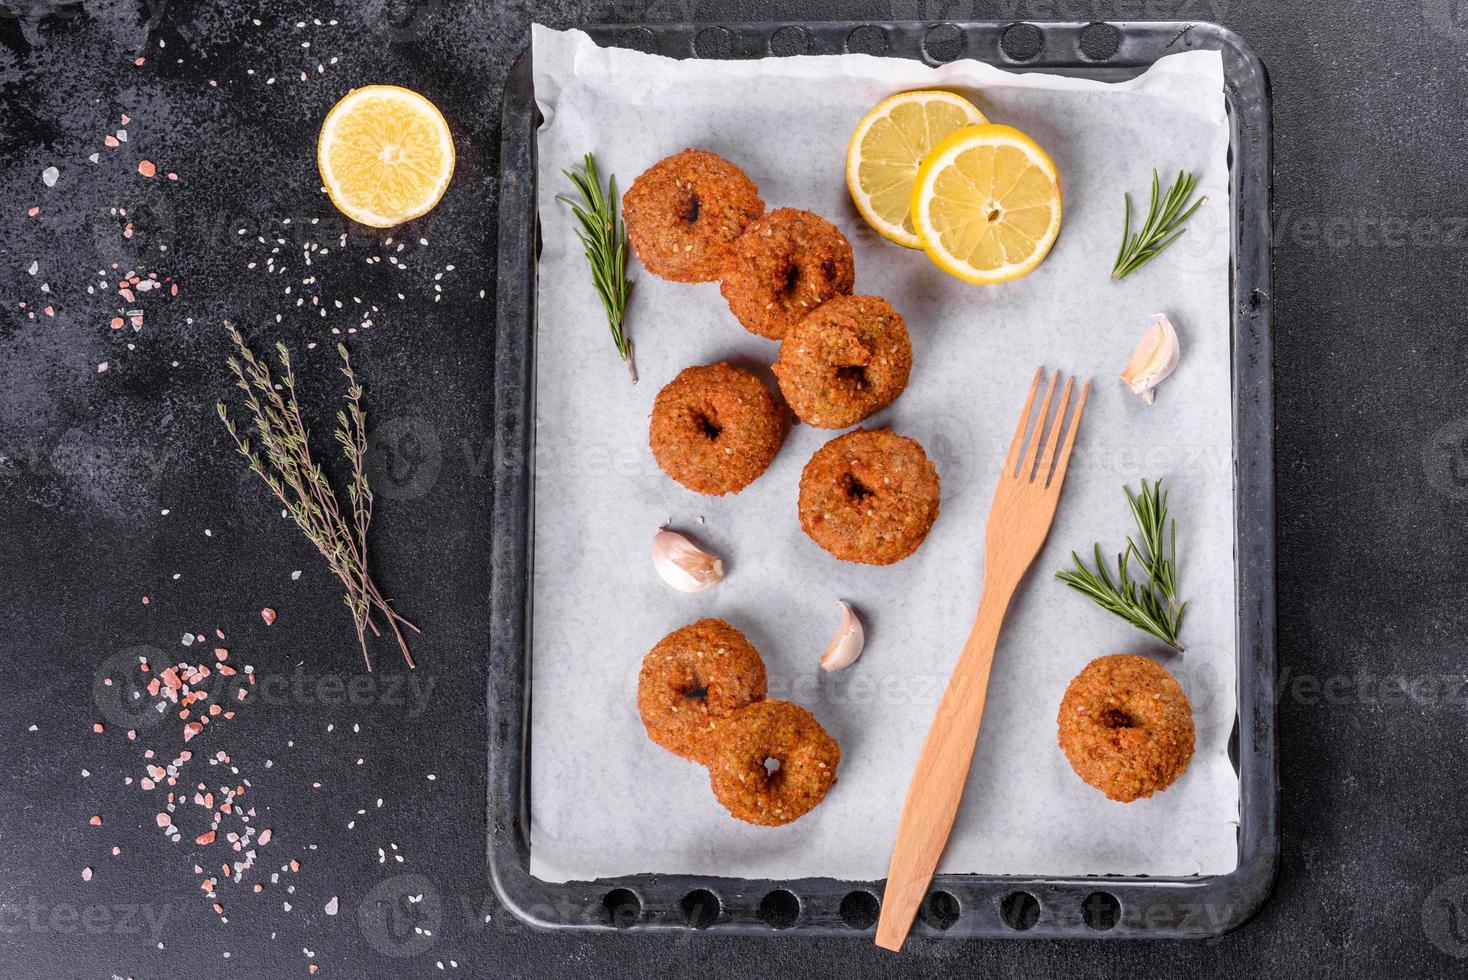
{"x": 1019, "y": 520}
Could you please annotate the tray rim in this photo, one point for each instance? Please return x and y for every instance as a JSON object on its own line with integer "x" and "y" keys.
{"x": 1195, "y": 907}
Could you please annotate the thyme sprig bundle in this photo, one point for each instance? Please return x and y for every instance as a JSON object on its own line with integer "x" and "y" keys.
{"x": 1151, "y": 605}
{"x": 284, "y": 461}
{"x": 603, "y": 238}
{"x": 1164, "y": 225}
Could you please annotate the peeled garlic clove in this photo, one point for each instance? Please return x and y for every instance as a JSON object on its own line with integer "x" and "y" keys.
{"x": 846, "y": 645}
{"x": 682, "y": 564}
{"x": 1154, "y": 358}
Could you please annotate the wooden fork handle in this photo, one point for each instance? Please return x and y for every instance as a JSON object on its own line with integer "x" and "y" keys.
{"x": 942, "y": 771}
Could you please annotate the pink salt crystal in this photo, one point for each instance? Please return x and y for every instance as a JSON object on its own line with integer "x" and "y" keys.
{"x": 191, "y": 729}
{"x": 110, "y": 142}
{"x": 268, "y": 615}
{"x": 265, "y": 836}
{"x": 33, "y": 212}
{"x": 117, "y": 325}
{"x": 95, "y": 821}
{"x": 126, "y": 119}
{"x": 97, "y": 727}
{"x": 172, "y": 175}
{"x": 207, "y": 837}
{"x": 146, "y": 168}
{"x": 164, "y": 820}
{"x": 86, "y": 874}
{"x": 220, "y": 653}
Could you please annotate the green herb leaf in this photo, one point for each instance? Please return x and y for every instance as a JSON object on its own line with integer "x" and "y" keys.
{"x": 1152, "y": 605}
{"x": 1164, "y": 224}
{"x": 603, "y": 238}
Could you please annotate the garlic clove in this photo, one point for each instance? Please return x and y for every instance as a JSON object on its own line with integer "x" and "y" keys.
{"x": 846, "y": 645}
{"x": 1154, "y": 359}
{"x": 682, "y": 564}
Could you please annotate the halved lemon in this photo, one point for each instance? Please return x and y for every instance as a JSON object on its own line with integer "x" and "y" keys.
{"x": 986, "y": 204}
{"x": 887, "y": 148}
{"x": 385, "y": 155}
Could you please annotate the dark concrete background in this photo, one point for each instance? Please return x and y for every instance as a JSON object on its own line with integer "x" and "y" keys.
{"x": 1372, "y": 238}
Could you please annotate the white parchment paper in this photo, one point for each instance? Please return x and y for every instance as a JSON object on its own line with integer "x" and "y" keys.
{"x": 604, "y": 799}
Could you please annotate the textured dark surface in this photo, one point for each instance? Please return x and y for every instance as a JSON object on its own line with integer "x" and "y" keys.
{"x": 1373, "y": 490}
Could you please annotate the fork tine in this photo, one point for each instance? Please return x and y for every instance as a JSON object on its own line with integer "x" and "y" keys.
{"x": 1070, "y": 439}
{"x": 1052, "y": 441}
{"x": 1024, "y": 422}
{"x": 1027, "y": 468}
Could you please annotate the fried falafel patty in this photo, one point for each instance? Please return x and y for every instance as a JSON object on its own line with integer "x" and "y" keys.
{"x": 847, "y": 359}
{"x": 693, "y": 678}
{"x": 715, "y": 428}
{"x": 784, "y": 266}
{"x": 684, "y": 212}
{"x": 1126, "y": 726}
{"x": 748, "y": 741}
{"x": 869, "y": 496}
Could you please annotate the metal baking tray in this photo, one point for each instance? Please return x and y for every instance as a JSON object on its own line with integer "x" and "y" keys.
{"x": 957, "y": 905}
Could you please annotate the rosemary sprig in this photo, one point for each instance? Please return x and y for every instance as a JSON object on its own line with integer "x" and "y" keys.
{"x": 1151, "y": 605}
{"x": 604, "y": 238}
{"x": 299, "y": 482}
{"x": 1163, "y": 227}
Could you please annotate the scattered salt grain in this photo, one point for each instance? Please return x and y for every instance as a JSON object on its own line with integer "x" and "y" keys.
{"x": 268, "y": 615}
{"x": 49, "y": 175}
{"x": 331, "y": 906}
{"x": 86, "y": 874}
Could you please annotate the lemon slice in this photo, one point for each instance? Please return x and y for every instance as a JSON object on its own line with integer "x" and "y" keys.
{"x": 889, "y": 144}
{"x": 385, "y": 154}
{"x": 986, "y": 204}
